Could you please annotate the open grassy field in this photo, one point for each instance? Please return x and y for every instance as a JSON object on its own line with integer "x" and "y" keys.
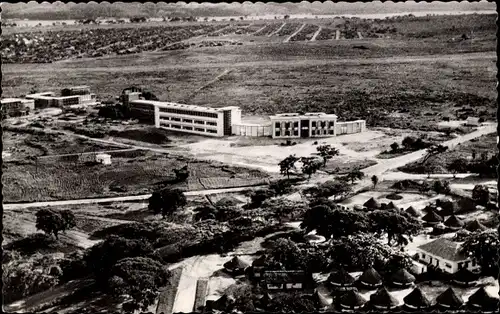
{"x": 415, "y": 77}
{"x": 29, "y": 181}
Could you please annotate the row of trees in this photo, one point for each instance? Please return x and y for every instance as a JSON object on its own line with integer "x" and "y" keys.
{"x": 310, "y": 165}
{"x": 335, "y": 223}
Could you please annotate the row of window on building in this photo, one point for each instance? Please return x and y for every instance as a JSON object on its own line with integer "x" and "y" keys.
{"x": 319, "y": 124}
{"x": 186, "y": 127}
{"x": 296, "y": 132}
{"x": 189, "y": 112}
{"x": 211, "y": 123}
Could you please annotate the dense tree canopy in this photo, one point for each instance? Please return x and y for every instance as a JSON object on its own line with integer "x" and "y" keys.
{"x": 358, "y": 252}
{"x": 484, "y": 248}
{"x": 396, "y": 224}
{"x": 310, "y": 165}
{"x": 334, "y": 222}
{"x": 139, "y": 278}
{"x": 291, "y": 303}
{"x": 103, "y": 256}
{"x": 52, "y": 221}
{"x": 167, "y": 201}
{"x": 481, "y": 195}
{"x": 326, "y": 152}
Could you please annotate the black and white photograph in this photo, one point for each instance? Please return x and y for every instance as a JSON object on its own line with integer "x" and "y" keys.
{"x": 210, "y": 157}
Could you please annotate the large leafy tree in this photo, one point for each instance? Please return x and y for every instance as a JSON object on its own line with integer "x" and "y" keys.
{"x": 358, "y": 252}
{"x": 167, "y": 201}
{"x": 310, "y": 165}
{"x": 286, "y": 254}
{"x": 481, "y": 195}
{"x": 103, "y": 256}
{"x": 396, "y": 224}
{"x": 138, "y": 278}
{"x": 334, "y": 222}
{"x": 327, "y": 152}
{"x": 288, "y": 164}
{"x": 457, "y": 166}
{"x": 281, "y": 187}
{"x": 355, "y": 175}
{"x": 484, "y": 248}
{"x": 374, "y": 179}
{"x": 53, "y": 222}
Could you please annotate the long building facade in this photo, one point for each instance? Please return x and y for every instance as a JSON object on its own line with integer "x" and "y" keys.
{"x": 313, "y": 124}
{"x": 199, "y": 120}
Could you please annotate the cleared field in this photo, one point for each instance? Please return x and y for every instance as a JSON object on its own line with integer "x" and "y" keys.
{"x": 27, "y": 182}
{"x": 330, "y": 76}
{"x": 23, "y": 145}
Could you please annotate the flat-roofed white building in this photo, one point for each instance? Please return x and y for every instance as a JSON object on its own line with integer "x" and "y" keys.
{"x": 192, "y": 119}
{"x": 48, "y": 99}
{"x": 312, "y": 124}
{"x": 295, "y": 125}
{"x": 12, "y": 107}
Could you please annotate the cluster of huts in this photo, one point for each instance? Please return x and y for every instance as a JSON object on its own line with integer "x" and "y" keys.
{"x": 440, "y": 218}
{"x": 346, "y": 289}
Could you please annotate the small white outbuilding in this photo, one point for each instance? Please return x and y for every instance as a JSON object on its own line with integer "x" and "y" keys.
{"x": 104, "y": 159}
{"x": 472, "y": 121}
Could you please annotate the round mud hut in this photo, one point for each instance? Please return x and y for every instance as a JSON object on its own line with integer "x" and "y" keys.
{"x": 475, "y": 226}
{"x": 236, "y": 266}
{"x": 482, "y": 301}
{"x": 340, "y": 278}
{"x": 383, "y": 300}
{"x": 412, "y": 211}
{"x": 351, "y": 301}
{"x": 432, "y": 218}
{"x": 416, "y": 300}
{"x": 370, "y": 279}
{"x": 454, "y": 223}
{"x": 372, "y": 204}
{"x": 465, "y": 277}
{"x": 319, "y": 300}
{"x": 449, "y": 300}
{"x": 402, "y": 278}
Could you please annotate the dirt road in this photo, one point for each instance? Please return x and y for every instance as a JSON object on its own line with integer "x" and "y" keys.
{"x": 30, "y": 303}
{"x": 122, "y": 198}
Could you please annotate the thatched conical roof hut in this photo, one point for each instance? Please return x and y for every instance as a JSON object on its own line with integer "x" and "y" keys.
{"x": 483, "y": 301}
{"x": 382, "y": 299}
{"x": 453, "y": 222}
{"x": 391, "y": 205}
{"x": 372, "y": 204}
{"x": 412, "y": 211}
{"x": 417, "y": 300}
{"x": 340, "y": 278}
{"x": 236, "y": 265}
{"x": 352, "y": 300}
{"x": 449, "y": 300}
{"x": 465, "y": 277}
{"x": 475, "y": 225}
{"x": 432, "y": 218}
{"x": 370, "y": 278}
{"x": 319, "y": 300}
{"x": 402, "y": 278}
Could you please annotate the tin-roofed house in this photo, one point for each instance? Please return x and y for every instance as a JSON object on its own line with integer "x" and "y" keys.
{"x": 445, "y": 255}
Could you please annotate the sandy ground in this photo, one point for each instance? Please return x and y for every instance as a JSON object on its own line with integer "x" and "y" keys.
{"x": 267, "y": 157}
